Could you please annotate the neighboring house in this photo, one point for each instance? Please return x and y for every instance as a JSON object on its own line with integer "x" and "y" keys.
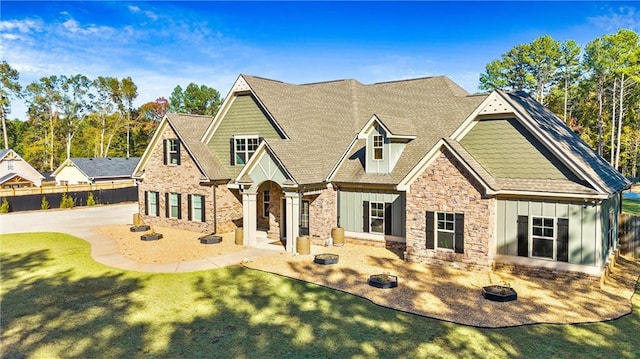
{"x": 453, "y": 178}
{"x": 16, "y": 172}
{"x": 88, "y": 170}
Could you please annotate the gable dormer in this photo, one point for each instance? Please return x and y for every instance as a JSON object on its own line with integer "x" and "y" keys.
{"x": 386, "y": 138}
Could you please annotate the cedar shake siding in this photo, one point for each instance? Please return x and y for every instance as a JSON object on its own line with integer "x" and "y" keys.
{"x": 446, "y": 186}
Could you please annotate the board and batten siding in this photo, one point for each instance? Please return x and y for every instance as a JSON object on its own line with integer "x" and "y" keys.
{"x": 584, "y": 233}
{"x": 244, "y": 117}
{"x": 350, "y": 209}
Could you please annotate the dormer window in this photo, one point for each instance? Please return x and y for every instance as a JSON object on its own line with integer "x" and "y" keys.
{"x": 243, "y": 148}
{"x": 377, "y": 147}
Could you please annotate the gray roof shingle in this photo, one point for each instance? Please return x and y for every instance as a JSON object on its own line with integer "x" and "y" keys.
{"x": 109, "y": 167}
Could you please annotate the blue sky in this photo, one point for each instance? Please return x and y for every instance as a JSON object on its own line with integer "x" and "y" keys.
{"x": 163, "y": 44}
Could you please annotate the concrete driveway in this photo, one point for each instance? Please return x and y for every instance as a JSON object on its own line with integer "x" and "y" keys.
{"x": 79, "y": 221}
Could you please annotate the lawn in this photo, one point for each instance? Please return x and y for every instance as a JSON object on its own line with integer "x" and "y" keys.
{"x": 631, "y": 206}
{"x": 59, "y": 303}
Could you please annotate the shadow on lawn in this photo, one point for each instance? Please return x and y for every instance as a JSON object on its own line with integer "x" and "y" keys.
{"x": 252, "y": 314}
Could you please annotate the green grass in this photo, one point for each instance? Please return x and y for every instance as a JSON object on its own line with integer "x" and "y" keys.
{"x": 58, "y": 302}
{"x": 631, "y": 206}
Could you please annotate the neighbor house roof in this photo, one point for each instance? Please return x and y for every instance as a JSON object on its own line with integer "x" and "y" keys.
{"x": 108, "y": 167}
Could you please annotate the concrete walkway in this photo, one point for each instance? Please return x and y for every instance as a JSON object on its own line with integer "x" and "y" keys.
{"x": 79, "y": 221}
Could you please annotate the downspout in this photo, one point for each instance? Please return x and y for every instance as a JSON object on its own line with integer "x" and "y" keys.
{"x": 215, "y": 211}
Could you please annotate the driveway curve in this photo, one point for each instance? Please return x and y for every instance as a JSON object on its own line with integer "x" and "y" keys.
{"x": 79, "y": 222}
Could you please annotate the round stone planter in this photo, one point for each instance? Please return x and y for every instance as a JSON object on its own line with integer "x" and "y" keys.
{"x": 140, "y": 228}
{"x": 499, "y": 293}
{"x": 151, "y": 236}
{"x": 384, "y": 281}
{"x": 210, "y": 239}
{"x": 326, "y": 258}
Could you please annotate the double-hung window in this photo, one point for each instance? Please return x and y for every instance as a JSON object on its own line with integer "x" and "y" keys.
{"x": 376, "y": 217}
{"x": 377, "y": 147}
{"x": 446, "y": 228}
{"x": 173, "y": 205}
{"x": 172, "y": 152}
{"x": 197, "y": 208}
{"x": 543, "y": 237}
{"x": 11, "y": 165}
{"x": 243, "y": 148}
{"x": 152, "y": 205}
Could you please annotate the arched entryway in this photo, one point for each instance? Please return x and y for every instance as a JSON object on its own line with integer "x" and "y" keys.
{"x": 271, "y": 212}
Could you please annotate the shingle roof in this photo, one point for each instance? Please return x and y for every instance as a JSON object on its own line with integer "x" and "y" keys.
{"x": 322, "y": 119}
{"x": 106, "y": 167}
{"x": 595, "y": 167}
{"x": 190, "y": 129}
{"x": 3, "y": 152}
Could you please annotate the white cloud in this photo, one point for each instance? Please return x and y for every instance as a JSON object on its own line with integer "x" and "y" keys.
{"x": 134, "y": 8}
{"x": 23, "y": 26}
{"x": 626, "y": 17}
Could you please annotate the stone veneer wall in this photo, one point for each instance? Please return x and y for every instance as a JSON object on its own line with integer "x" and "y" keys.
{"x": 270, "y": 224}
{"x": 446, "y": 186}
{"x": 323, "y": 213}
{"x": 185, "y": 179}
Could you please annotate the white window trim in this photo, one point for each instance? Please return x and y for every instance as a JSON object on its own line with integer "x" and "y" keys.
{"x": 246, "y": 151}
{"x": 266, "y": 199}
{"x": 154, "y": 198}
{"x": 554, "y": 226}
{"x": 371, "y": 217}
{"x": 171, "y": 197}
{"x": 437, "y": 231}
{"x": 171, "y": 153}
{"x": 193, "y": 207}
{"x": 11, "y": 165}
{"x": 374, "y": 147}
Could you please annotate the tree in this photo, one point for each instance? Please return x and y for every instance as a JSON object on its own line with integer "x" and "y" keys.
{"x": 511, "y": 72}
{"x": 44, "y": 101}
{"x": 9, "y": 87}
{"x": 570, "y": 69}
{"x": 76, "y": 103}
{"x": 199, "y": 100}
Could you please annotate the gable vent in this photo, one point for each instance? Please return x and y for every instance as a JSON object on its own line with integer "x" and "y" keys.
{"x": 496, "y": 105}
{"x": 240, "y": 85}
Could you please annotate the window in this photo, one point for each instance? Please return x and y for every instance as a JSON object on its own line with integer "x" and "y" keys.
{"x": 244, "y": 148}
{"x": 377, "y": 147}
{"x": 446, "y": 230}
{"x": 172, "y": 152}
{"x": 151, "y": 206}
{"x": 376, "y": 217}
{"x": 543, "y": 237}
{"x": 173, "y": 206}
{"x": 197, "y": 208}
{"x": 304, "y": 218}
{"x": 11, "y": 165}
{"x": 265, "y": 204}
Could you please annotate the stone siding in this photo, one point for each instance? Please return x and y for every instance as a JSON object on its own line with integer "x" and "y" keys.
{"x": 185, "y": 180}
{"x": 270, "y": 224}
{"x": 229, "y": 209}
{"x": 446, "y": 186}
{"x": 323, "y": 213}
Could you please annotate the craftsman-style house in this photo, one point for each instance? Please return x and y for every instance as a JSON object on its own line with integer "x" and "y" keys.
{"x": 90, "y": 170}
{"x": 452, "y": 178}
{"x": 15, "y": 172}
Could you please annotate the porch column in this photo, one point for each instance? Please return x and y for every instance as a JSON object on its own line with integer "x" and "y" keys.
{"x": 292, "y": 200}
{"x": 249, "y": 218}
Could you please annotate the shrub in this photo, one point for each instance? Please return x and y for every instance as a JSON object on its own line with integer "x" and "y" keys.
{"x": 90, "y": 200}
{"x": 66, "y": 201}
{"x": 44, "y": 204}
{"x": 4, "y": 207}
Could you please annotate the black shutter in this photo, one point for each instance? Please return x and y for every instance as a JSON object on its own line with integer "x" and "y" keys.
{"x": 204, "y": 216}
{"x": 164, "y": 152}
{"x": 232, "y": 152}
{"x": 365, "y": 216}
{"x": 562, "y": 253}
{"x": 157, "y": 198}
{"x": 178, "y": 152}
{"x": 189, "y": 214}
{"x": 429, "y": 230}
{"x": 387, "y": 218}
{"x": 459, "y": 233}
{"x": 146, "y": 203}
{"x": 523, "y": 236}
{"x": 167, "y": 205}
{"x": 179, "y": 206}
